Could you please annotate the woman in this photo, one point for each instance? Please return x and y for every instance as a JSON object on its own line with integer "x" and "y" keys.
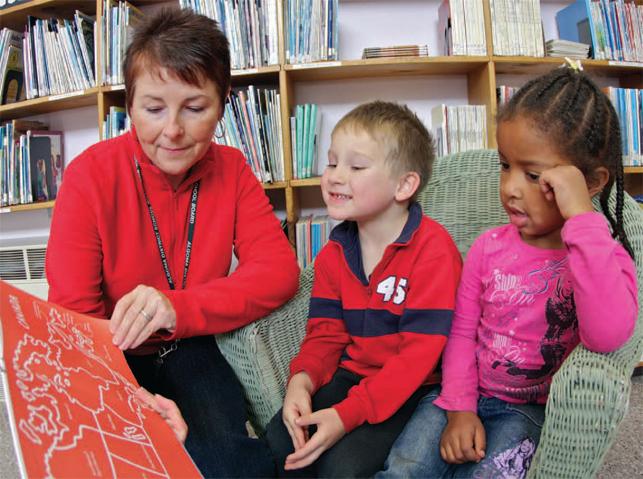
{"x": 144, "y": 229}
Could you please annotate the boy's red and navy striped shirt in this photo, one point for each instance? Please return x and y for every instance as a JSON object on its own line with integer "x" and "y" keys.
{"x": 390, "y": 328}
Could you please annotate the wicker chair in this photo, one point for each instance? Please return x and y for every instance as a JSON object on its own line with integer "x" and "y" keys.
{"x": 589, "y": 394}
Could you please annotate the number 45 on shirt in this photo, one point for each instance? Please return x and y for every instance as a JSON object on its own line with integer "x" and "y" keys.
{"x": 387, "y": 289}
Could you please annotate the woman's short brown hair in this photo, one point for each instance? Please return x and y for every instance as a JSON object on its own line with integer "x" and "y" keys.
{"x": 188, "y": 44}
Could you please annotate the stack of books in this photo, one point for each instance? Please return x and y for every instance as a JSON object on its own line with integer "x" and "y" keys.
{"x": 614, "y": 28}
{"x": 11, "y": 71}
{"x": 517, "y": 28}
{"x": 459, "y": 128}
{"x": 252, "y": 124}
{"x": 116, "y": 122}
{"x": 461, "y": 22}
{"x": 118, "y": 20}
{"x": 249, "y": 25}
{"x": 628, "y": 103}
{"x": 58, "y": 55}
{"x": 312, "y": 234}
{"x": 396, "y": 51}
{"x": 504, "y": 93}
{"x": 304, "y": 130}
{"x": 311, "y": 30}
{"x": 31, "y": 162}
{"x": 566, "y": 48}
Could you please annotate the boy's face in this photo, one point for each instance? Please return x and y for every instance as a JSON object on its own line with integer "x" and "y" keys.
{"x": 357, "y": 183}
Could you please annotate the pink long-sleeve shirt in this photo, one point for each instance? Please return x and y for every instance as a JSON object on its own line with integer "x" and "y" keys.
{"x": 520, "y": 310}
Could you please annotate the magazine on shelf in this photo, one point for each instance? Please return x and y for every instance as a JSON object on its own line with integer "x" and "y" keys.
{"x": 70, "y": 398}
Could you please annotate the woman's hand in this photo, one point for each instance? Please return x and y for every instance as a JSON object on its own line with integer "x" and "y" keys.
{"x": 139, "y": 314}
{"x": 297, "y": 403}
{"x": 330, "y": 429}
{"x": 567, "y": 186}
{"x": 463, "y": 439}
{"x": 168, "y": 410}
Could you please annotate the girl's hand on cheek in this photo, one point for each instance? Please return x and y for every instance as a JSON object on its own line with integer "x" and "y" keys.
{"x": 567, "y": 186}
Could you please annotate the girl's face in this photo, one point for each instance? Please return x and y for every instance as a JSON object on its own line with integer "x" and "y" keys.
{"x": 524, "y": 154}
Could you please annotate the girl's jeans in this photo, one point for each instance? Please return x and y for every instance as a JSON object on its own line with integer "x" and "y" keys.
{"x": 512, "y": 433}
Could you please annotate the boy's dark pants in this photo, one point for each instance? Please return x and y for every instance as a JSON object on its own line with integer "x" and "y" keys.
{"x": 361, "y": 453}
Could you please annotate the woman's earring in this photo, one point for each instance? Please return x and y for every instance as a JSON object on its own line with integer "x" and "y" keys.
{"x": 219, "y": 131}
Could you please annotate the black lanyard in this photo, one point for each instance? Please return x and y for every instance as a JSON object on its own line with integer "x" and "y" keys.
{"x": 159, "y": 243}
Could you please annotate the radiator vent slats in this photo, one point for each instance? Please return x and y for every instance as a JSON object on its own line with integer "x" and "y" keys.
{"x": 22, "y": 263}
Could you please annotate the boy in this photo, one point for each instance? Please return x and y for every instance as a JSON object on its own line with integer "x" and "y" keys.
{"x": 381, "y": 305}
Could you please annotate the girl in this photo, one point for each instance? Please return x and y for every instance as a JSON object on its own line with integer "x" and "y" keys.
{"x": 530, "y": 290}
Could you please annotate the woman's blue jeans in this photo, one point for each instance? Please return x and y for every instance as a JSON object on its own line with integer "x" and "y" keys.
{"x": 512, "y": 433}
{"x": 206, "y": 390}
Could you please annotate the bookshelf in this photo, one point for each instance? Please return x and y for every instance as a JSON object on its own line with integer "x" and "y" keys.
{"x": 339, "y": 85}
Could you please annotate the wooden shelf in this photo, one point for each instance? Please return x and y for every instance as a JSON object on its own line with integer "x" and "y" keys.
{"x": 538, "y": 65}
{"x": 28, "y": 207}
{"x": 378, "y": 67}
{"x": 277, "y": 185}
{"x": 316, "y": 181}
{"x": 633, "y": 169}
{"x": 48, "y": 104}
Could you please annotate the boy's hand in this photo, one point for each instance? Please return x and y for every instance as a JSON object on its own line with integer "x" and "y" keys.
{"x": 330, "y": 429}
{"x": 567, "y": 186}
{"x": 463, "y": 440}
{"x": 167, "y": 409}
{"x": 297, "y": 403}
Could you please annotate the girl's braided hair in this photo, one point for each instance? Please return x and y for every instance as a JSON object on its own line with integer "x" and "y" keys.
{"x": 571, "y": 110}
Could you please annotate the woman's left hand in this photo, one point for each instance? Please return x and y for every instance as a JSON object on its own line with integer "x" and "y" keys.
{"x": 139, "y": 314}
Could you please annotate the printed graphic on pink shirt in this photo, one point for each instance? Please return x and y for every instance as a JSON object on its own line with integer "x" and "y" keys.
{"x": 518, "y": 351}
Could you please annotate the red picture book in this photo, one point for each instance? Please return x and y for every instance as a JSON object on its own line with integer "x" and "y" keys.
{"x": 71, "y": 399}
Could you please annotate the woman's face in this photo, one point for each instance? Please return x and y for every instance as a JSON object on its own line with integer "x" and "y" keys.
{"x": 174, "y": 120}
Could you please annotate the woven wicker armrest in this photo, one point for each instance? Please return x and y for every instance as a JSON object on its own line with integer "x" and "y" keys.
{"x": 261, "y": 352}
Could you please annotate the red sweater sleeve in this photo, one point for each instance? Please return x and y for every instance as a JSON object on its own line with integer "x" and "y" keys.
{"x": 265, "y": 278}
{"x": 326, "y": 335}
{"x": 429, "y": 306}
{"x": 73, "y": 258}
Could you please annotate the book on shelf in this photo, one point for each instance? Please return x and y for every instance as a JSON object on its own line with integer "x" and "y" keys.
{"x": 71, "y": 398}
{"x": 116, "y": 122}
{"x": 45, "y": 150}
{"x": 311, "y": 30}
{"x": 459, "y": 128}
{"x": 31, "y": 162}
{"x": 11, "y": 3}
{"x": 312, "y": 233}
{"x": 396, "y": 51}
{"x": 614, "y": 29}
{"x": 249, "y": 25}
{"x": 504, "y": 93}
{"x": 517, "y": 19}
{"x": 11, "y": 67}
{"x": 461, "y": 23}
{"x": 252, "y": 124}
{"x": 56, "y": 55}
{"x": 119, "y": 17}
{"x": 628, "y": 103}
{"x": 566, "y": 48}
{"x": 305, "y": 130}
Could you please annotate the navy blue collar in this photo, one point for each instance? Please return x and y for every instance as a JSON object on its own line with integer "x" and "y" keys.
{"x": 347, "y": 236}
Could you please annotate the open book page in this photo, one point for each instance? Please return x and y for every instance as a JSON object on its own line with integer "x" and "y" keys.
{"x": 71, "y": 398}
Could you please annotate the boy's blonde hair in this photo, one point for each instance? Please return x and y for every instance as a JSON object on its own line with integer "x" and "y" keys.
{"x": 409, "y": 145}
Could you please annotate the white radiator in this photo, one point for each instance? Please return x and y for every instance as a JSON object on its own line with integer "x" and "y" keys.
{"x": 24, "y": 267}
